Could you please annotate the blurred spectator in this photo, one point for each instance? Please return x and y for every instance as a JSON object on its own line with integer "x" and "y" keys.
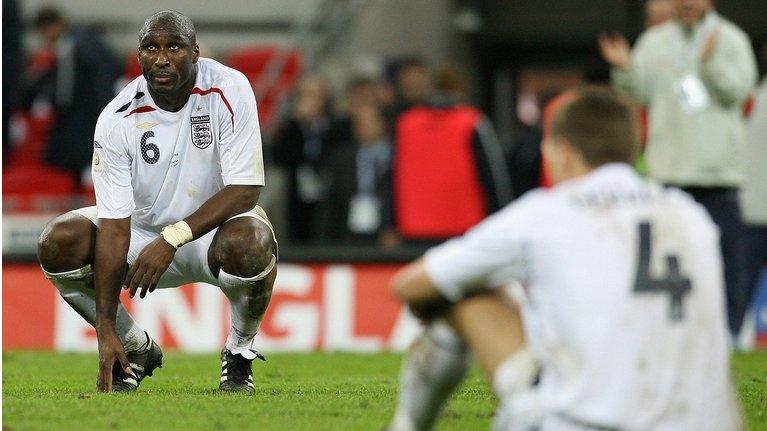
{"x": 302, "y": 146}
{"x": 12, "y": 64}
{"x": 754, "y": 198}
{"x": 525, "y": 156}
{"x": 693, "y": 75}
{"x": 79, "y": 84}
{"x": 361, "y": 91}
{"x": 449, "y": 170}
{"x": 415, "y": 84}
{"x": 359, "y": 208}
{"x": 454, "y": 84}
{"x": 657, "y": 12}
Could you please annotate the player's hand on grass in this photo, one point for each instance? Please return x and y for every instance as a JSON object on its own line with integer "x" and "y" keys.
{"x": 111, "y": 355}
{"x": 149, "y": 266}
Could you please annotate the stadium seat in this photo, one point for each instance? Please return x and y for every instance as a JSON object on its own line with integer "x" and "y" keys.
{"x": 132, "y": 67}
{"x": 253, "y": 61}
{"x": 37, "y": 179}
{"x": 36, "y": 129}
{"x": 26, "y": 188}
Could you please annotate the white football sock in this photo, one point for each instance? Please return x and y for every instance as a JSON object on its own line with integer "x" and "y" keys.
{"x": 519, "y": 406}
{"x": 76, "y": 287}
{"x": 432, "y": 369}
{"x": 248, "y": 300}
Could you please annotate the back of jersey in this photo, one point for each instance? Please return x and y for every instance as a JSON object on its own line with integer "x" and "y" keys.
{"x": 626, "y": 306}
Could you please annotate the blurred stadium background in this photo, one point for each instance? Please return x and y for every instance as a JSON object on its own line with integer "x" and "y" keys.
{"x": 506, "y": 58}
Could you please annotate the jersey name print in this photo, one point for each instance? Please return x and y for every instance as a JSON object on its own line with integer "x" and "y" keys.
{"x": 157, "y": 167}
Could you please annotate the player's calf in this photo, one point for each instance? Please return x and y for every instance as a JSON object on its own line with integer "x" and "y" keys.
{"x": 65, "y": 250}
{"x": 434, "y": 366}
{"x": 244, "y": 253}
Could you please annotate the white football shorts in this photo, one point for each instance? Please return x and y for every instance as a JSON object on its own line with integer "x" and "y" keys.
{"x": 190, "y": 264}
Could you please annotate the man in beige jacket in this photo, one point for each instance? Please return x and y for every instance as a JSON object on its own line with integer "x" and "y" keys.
{"x": 754, "y": 196}
{"x": 693, "y": 74}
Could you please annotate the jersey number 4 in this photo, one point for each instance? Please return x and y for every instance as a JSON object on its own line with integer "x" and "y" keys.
{"x": 149, "y": 151}
{"x": 673, "y": 282}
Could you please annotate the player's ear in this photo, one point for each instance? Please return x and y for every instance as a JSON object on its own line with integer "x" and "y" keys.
{"x": 549, "y": 147}
{"x": 567, "y": 150}
{"x": 196, "y": 51}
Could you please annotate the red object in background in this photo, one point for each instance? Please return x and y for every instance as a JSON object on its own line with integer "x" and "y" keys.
{"x": 748, "y": 106}
{"x": 27, "y": 177}
{"x": 37, "y": 180}
{"x": 437, "y": 190}
{"x": 41, "y": 61}
{"x": 644, "y": 126}
{"x": 28, "y": 308}
{"x": 253, "y": 61}
{"x": 37, "y": 128}
{"x": 132, "y": 67}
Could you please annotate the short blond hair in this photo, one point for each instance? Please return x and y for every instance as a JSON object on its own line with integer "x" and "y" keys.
{"x": 601, "y": 124}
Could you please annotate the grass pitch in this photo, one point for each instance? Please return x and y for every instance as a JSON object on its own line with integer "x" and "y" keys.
{"x": 293, "y": 392}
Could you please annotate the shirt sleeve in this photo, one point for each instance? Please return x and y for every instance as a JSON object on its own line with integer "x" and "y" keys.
{"x": 730, "y": 73}
{"x": 492, "y": 254}
{"x": 634, "y": 82}
{"x": 111, "y": 172}
{"x": 240, "y": 142}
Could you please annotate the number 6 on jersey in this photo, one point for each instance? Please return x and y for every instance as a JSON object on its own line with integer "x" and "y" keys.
{"x": 146, "y": 147}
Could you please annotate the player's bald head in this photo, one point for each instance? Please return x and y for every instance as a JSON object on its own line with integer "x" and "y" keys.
{"x": 169, "y": 20}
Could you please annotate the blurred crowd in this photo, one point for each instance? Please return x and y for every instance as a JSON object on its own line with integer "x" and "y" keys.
{"x": 339, "y": 159}
{"x": 404, "y": 158}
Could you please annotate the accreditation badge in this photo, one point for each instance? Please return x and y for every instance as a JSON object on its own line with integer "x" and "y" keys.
{"x": 692, "y": 94}
{"x": 309, "y": 183}
{"x": 364, "y": 213}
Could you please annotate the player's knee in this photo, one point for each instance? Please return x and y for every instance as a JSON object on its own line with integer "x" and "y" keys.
{"x": 247, "y": 251}
{"x": 63, "y": 244}
{"x": 399, "y": 291}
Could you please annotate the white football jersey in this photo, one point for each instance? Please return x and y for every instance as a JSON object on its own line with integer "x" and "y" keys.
{"x": 624, "y": 300}
{"x": 159, "y": 166}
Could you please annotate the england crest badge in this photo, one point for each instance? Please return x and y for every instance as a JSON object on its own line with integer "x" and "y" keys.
{"x": 201, "y": 132}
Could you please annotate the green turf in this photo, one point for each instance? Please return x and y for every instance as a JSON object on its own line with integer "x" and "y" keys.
{"x": 750, "y": 372}
{"x": 294, "y": 392}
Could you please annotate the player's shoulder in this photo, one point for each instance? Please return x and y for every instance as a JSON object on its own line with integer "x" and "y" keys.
{"x": 532, "y": 207}
{"x": 216, "y": 75}
{"x": 130, "y": 98}
{"x": 730, "y": 30}
{"x": 679, "y": 201}
{"x": 655, "y": 32}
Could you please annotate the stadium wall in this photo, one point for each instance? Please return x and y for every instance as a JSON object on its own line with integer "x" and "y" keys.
{"x": 344, "y": 307}
{"x": 315, "y": 306}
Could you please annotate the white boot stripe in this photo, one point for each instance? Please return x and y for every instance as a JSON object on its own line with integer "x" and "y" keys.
{"x": 132, "y": 381}
{"x": 223, "y": 378}
{"x": 251, "y": 385}
{"x": 137, "y": 367}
